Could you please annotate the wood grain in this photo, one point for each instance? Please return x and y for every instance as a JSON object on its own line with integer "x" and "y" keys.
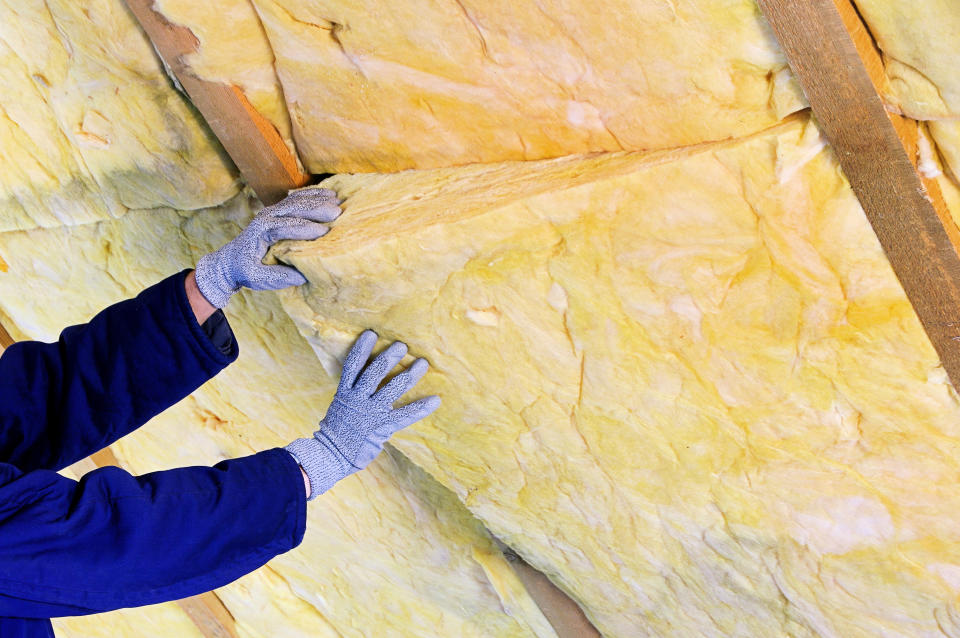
{"x": 210, "y": 615}
{"x": 5, "y": 339}
{"x": 920, "y": 246}
{"x": 252, "y": 142}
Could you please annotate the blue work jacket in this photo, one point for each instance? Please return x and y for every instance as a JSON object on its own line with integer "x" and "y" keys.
{"x": 113, "y": 540}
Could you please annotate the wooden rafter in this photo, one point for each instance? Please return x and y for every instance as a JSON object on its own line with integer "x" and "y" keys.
{"x": 252, "y": 142}
{"x": 920, "y": 241}
{"x": 565, "y": 616}
{"x": 5, "y": 339}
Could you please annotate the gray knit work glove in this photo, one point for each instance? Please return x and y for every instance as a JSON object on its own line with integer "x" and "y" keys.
{"x": 360, "y": 418}
{"x": 240, "y": 263}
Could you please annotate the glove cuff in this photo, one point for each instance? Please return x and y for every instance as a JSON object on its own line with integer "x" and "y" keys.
{"x": 212, "y": 284}
{"x": 323, "y": 464}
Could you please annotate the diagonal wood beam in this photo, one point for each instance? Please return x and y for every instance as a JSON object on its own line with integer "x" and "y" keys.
{"x": 566, "y": 617}
{"x": 252, "y": 142}
{"x": 5, "y": 339}
{"x": 921, "y": 246}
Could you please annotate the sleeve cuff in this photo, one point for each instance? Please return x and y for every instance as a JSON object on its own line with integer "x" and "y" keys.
{"x": 221, "y": 348}
{"x": 218, "y": 330}
{"x": 292, "y": 468}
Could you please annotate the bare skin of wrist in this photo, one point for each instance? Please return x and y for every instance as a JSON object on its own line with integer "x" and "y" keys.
{"x": 306, "y": 482}
{"x": 202, "y": 309}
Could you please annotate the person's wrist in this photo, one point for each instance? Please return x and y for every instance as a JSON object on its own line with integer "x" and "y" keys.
{"x": 202, "y": 309}
{"x": 323, "y": 467}
{"x": 306, "y": 482}
{"x": 212, "y": 282}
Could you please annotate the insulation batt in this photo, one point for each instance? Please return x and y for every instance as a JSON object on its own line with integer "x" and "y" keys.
{"x": 90, "y": 124}
{"x": 951, "y": 195}
{"x": 155, "y": 621}
{"x": 920, "y": 42}
{"x": 947, "y": 135}
{"x": 686, "y": 385}
{"x": 386, "y": 86}
{"x": 233, "y": 49}
{"x": 388, "y": 548}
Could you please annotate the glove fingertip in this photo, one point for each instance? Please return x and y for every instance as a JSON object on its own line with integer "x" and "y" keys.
{"x": 420, "y": 365}
{"x": 330, "y": 212}
{"x": 313, "y": 230}
{"x": 285, "y": 277}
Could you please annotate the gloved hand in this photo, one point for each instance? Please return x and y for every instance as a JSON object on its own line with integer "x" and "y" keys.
{"x": 360, "y": 419}
{"x": 240, "y": 263}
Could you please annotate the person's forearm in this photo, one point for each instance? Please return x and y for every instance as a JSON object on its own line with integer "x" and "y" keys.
{"x": 202, "y": 309}
{"x": 138, "y": 356}
{"x": 187, "y": 530}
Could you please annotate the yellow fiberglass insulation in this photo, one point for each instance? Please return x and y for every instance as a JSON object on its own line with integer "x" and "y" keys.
{"x": 920, "y": 42}
{"x": 386, "y": 86}
{"x": 679, "y": 376}
{"x": 233, "y": 49}
{"x": 90, "y": 124}
{"x": 947, "y": 136}
{"x": 387, "y": 548}
{"x": 687, "y": 385}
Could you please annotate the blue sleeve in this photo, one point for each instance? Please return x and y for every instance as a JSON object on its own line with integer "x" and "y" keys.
{"x": 60, "y": 402}
{"x": 113, "y": 540}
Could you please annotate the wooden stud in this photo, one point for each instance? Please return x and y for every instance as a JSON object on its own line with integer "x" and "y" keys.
{"x": 252, "y": 142}
{"x": 5, "y": 339}
{"x": 564, "y": 615}
{"x": 210, "y": 615}
{"x": 921, "y": 248}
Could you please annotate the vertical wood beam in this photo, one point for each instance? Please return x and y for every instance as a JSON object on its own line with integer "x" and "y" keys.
{"x": 5, "y": 339}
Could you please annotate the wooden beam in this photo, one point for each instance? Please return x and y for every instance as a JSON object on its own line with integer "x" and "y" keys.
{"x": 210, "y": 615}
{"x": 252, "y": 142}
{"x": 563, "y": 614}
{"x": 5, "y": 339}
{"x": 921, "y": 247}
